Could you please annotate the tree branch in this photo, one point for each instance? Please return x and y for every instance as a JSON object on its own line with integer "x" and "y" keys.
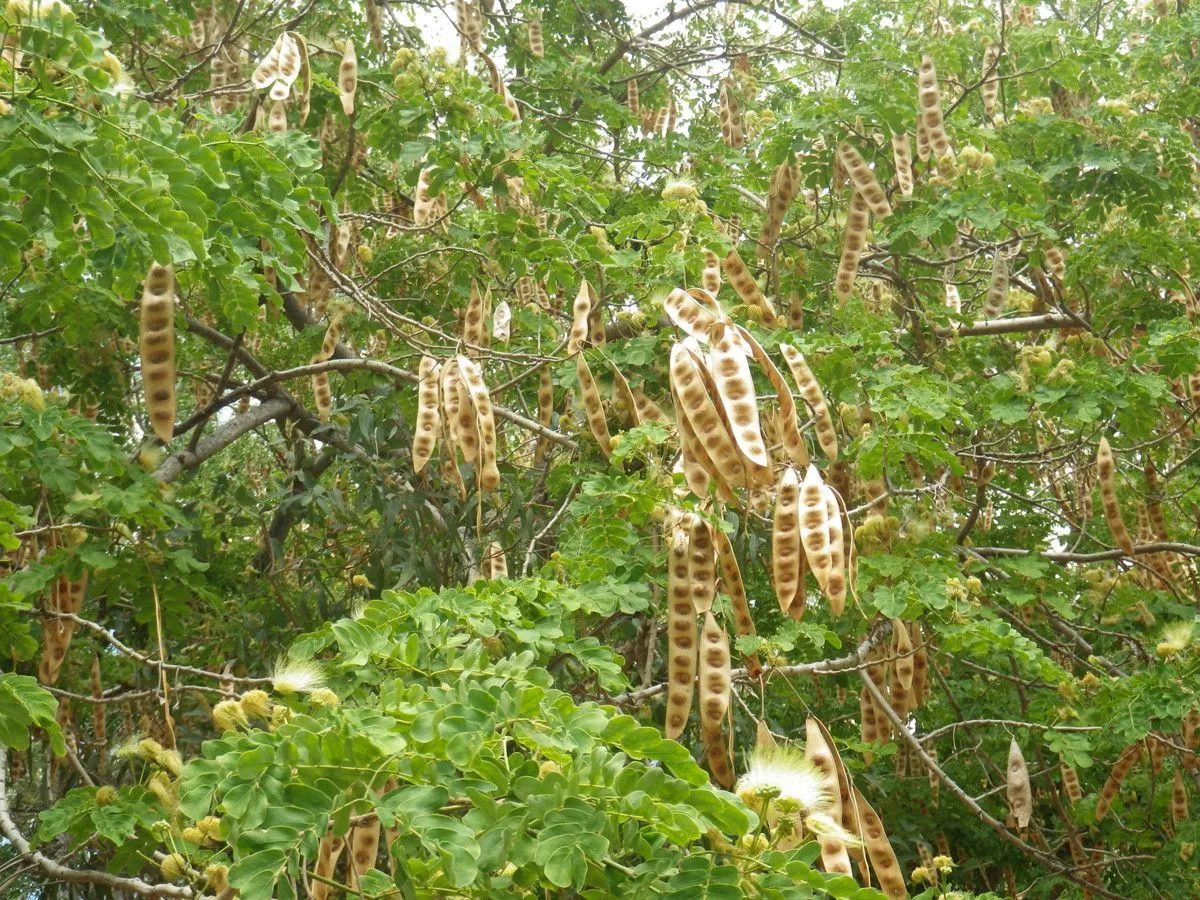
{"x": 178, "y": 463}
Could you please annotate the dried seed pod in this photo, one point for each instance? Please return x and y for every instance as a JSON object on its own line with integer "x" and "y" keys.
{"x": 631, "y": 97}
{"x": 953, "y": 298}
{"x": 920, "y": 679}
{"x": 1120, "y": 771}
{"x": 156, "y": 337}
{"x": 835, "y": 589}
{"x": 1179, "y": 800}
{"x": 1056, "y": 263}
{"x": 997, "y": 292}
{"x": 429, "y": 423}
{"x": 495, "y": 563}
{"x": 502, "y": 323}
{"x": 715, "y": 749}
{"x": 474, "y": 320}
{"x": 268, "y": 69}
{"x": 422, "y": 202}
{"x": 579, "y": 321}
{"x": 811, "y": 391}
{"x": 734, "y": 588}
{"x": 647, "y": 409}
{"x": 902, "y": 649}
{"x": 277, "y": 119}
{"x": 710, "y": 278}
{"x": 923, "y": 149}
{"x": 694, "y": 459}
{"x": 902, "y": 159}
{"x": 698, "y": 407}
{"x": 931, "y": 108}
{"x": 732, "y": 131}
{"x": 715, "y": 678}
{"x": 1070, "y": 783}
{"x": 322, "y": 395}
{"x": 814, "y": 529}
{"x": 854, "y": 241}
{"x": 785, "y": 181}
{"x": 681, "y": 638}
{"x": 689, "y": 315}
{"x": 867, "y": 722}
{"x": 833, "y": 850}
{"x": 329, "y": 342}
{"x": 989, "y": 90}
{"x": 702, "y": 573}
{"x": 1155, "y": 750}
{"x": 793, "y": 443}
{"x": 785, "y": 540}
{"x": 731, "y": 373}
{"x": 288, "y": 66}
{"x": 593, "y": 405}
{"x": 1020, "y": 796}
{"x": 864, "y": 181}
{"x": 623, "y": 397}
{"x": 328, "y": 852}
{"x": 1106, "y": 475}
{"x": 348, "y": 83}
{"x": 879, "y": 849}
{"x": 747, "y": 288}
{"x": 545, "y": 399}
{"x": 536, "y": 46}
{"x": 364, "y": 848}
{"x": 472, "y": 376}
{"x": 1191, "y": 729}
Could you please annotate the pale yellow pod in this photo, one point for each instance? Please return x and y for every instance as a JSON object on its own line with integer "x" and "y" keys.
{"x": 786, "y": 548}
{"x": 1106, "y": 476}
{"x": 814, "y": 529}
{"x": 429, "y": 423}
{"x": 495, "y": 563}
{"x": 732, "y": 586}
{"x": 449, "y": 396}
{"x": 810, "y": 390}
{"x": 422, "y": 201}
{"x": 716, "y": 751}
{"x": 623, "y": 397}
{"x": 1057, "y": 263}
{"x": 833, "y": 850}
{"x": 902, "y": 650}
{"x": 793, "y": 442}
{"x": 989, "y": 90}
{"x": 710, "y": 277}
{"x": 1191, "y": 730}
{"x": 288, "y": 67}
{"x": 631, "y": 97}
{"x": 868, "y": 727}
{"x": 348, "y": 78}
{"x": 1020, "y": 795}
{"x": 328, "y": 853}
{"x": 747, "y": 288}
{"x": 702, "y": 572}
{"x": 580, "y": 311}
{"x": 466, "y": 430}
{"x": 277, "y": 119}
{"x": 735, "y": 386}
{"x": 997, "y": 292}
{"x": 697, "y": 467}
{"x": 1179, "y": 800}
{"x": 99, "y": 715}
{"x": 332, "y": 333}
{"x": 502, "y": 323}
{"x": 730, "y": 115}
{"x": 1120, "y": 771}
{"x": 268, "y": 69}
{"x": 536, "y": 45}
{"x": 647, "y": 409}
{"x": 879, "y": 849}
{"x": 156, "y": 338}
{"x": 474, "y": 320}
{"x": 930, "y": 104}
{"x": 864, "y": 181}
{"x": 924, "y": 152}
{"x": 902, "y": 159}
{"x": 364, "y": 848}
{"x": 681, "y": 638}
{"x": 701, "y": 412}
{"x": 593, "y": 405}
{"x": 715, "y": 676}
{"x": 1070, "y": 783}
{"x": 472, "y": 375}
{"x": 835, "y": 588}
{"x": 854, "y": 241}
{"x": 689, "y": 315}
{"x": 784, "y": 184}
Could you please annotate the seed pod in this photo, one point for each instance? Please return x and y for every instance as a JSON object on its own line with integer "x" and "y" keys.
{"x": 953, "y": 298}
{"x": 502, "y": 323}
{"x": 536, "y": 46}
{"x": 681, "y": 638}
{"x": 364, "y": 848}
{"x": 422, "y": 202}
{"x": 688, "y": 314}
{"x": 814, "y": 528}
{"x": 1020, "y": 797}
{"x": 1191, "y": 729}
{"x": 811, "y": 391}
{"x": 322, "y": 396}
{"x": 730, "y": 114}
{"x": 864, "y": 181}
{"x": 157, "y": 340}
{"x": 495, "y": 564}
{"x": 854, "y": 241}
{"x": 1179, "y": 800}
{"x": 623, "y": 397}
{"x": 931, "y": 108}
{"x": 694, "y": 460}
{"x": 1120, "y": 771}
{"x": 328, "y": 852}
{"x": 428, "y": 419}
{"x": 1070, "y": 783}
{"x": 731, "y": 373}
{"x": 835, "y": 589}
{"x": 631, "y": 97}
{"x": 329, "y": 342}
{"x": 902, "y": 648}
{"x": 785, "y": 540}
{"x": 268, "y": 69}
{"x": 867, "y": 723}
{"x": 288, "y": 67}
{"x": 715, "y": 679}
{"x": 579, "y": 322}
{"x": 793, "y": 443}
{"x": 734, "y": 588}
{"x": 833, "y": 850}
{"x": 902, "y": 159}
{"x": 879, "y": 849}
{"x": 472, "y": 377}
{"x": 997, "y": 291}
{"x": 920, "y": 679}
{"x": 1056, "y": 263}
{"x": 923, "y": 149}
{"x": 545, "y": 399}
{"x": 470, "y": 23}
{"x": 990, "y": 88}
{"x": 698, "y": 407}
{"x": 785, "y": 182}
{"x": 474, "y": 320}
{"x": 702, "y": 574}
{"x": 1106, "y": 475}
{"x": 647, "y": 409}
{"x": 593, "y": 405}
{"x": 747, "y": 288}
{"x": 710, "y": 277}
{"x": 1155, "y": 750}
{"x": 348, "y": 85}
{"x": 277, "y": 119}
{"x": 715, "y": 749}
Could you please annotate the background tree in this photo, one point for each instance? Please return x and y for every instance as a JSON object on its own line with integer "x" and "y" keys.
{"x": 324, "y": 342}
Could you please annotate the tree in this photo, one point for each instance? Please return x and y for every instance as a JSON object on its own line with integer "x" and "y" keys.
{"x": 744, "y": 450}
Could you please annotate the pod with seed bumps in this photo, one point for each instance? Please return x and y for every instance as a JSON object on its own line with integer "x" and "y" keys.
{"x": 422, "y": 201}
{"x": 710, "y": 278}
{"x": 879, "y": 849}
{"x": 854, "y": 241}
{"x": 864, "y": 181}
{"x": 681, "y": 637}
{"x": 702, "y": 573}
{"x": 747, "y": 288}
{"x": 631, "y": 97}
{"x": 1179, "y": 800}
{"x": 477, "y": 394}
{"x": 735, "y": 386}
{"x": 1106, "y": 476}
{"x": 990, "y": 89}
{"x": 811, "y": 391}
{"x": 902, "y": 159}
{"x": 835, "y": 589}
{"x": 689, "y": 315}
{"x": 593, "y": 405}
{"x": 902, "y": 649}
{"x": 715, "y": 677}
{"x": 580, "y": 311}
{"x": 785, "y": 181}
{"x": 698, "y": 407}
{"x": 474, "y": 320}
{"x": 1070, "y": 783}
{"x": 348, "y": 78}
{"x": 814, "y": 529}
{"x": 920, "y": 679}
{"x": 1120, "y": 771}
{"x": 364, "y": 848}
{"x": 730, "y": 115}
{"x": 786, "y": 549}
{"x": 698, "y": 468}
{"x": 429, "y": 423}
{"x": 1020, "y": 795}
{"x": 328, "y": 852}
{"x": 734, "y": 588}
{"x": 536, "y": 45}
{"x": 156, "y": 337}
{"x": 545, "y": 398}
{"x": 833, "y": 849}
{"x": 997, "y": 291}
{"x": 930, "y": 104}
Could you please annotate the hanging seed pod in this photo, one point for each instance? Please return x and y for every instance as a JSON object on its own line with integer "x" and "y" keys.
{"x": 854, "y": 241}
{"x": 747, "y": 288}
{"x": 579, "y": 321}
{"x": 277, "y": 119}
{"x": 681, "y": 638}
{"x": 814, "y": 529}
{"x": 1056, "y": 263}
{"x": 1070, "y": 783}
{"x": 593, "y": 405}
{"x": 833, "y": 850}
{"x": 694, "y": 460}
{"x": 472, "y": 376}
{"x": 702, "y": 573}
{"x": 902, "y": 649}
{"x": 364, "y": 848}
{"x": 428, "y": 420}
{"x": 631, "y": 97}
{"x": 1120, "y": 771}
{"x": 623, "y": 399}
{"x": 1106, "y": 475}
{"x": 715, "y": 678}
{"x": 785, "y": 182}
{"x": 716, "y": 751}
{"x": 474, "y": 320}
{"x": 157, "y": 341}
{"x": 793, "y": 443}
{"x": 1155, "y": 750}
{"x": 422, "y": 201}
{"x": 710, "y": 278}
{"x": 1179, "y": 800}
{"x": 879, "y": 849}
{"x": 268, "y": 70}
{"x": 348, "y": 80}
{"x": 785, "y": 540}
{"x": 811, "y": 391}
{"x": 647, "y": 409}
{"x": 470, "y": 23}
{"x": 536, "y": 45}
{"x": 322, "y": 395}
{"x": 731, "y": 373}
{"x": 997, "y": 292}
{"x": 989, "y": 90}
{"x": 931, "y": 108}
{"x": 1020, "y": 797}
{"x": 730, "y": 115}
{"x": 835, "y": 589}
{"x": 864, "y": 181}
{"x": 867, "y": 724}
{"x": 920, "y": 679}
{"x": 502, "y": 323}
{"x": 1191, "y": 729}
{"x": 688, "y": 315}
{"x": 545, "y": 398}
{"x": 495, "y": 563}
{"x": 289, "y": 64}
{"x": 902, "y": 159}
{"x": 697, "y": 405}
{"x": 734, "y": 588}
{"x": 328, "y": 852}
{"x": 924, "y": 151}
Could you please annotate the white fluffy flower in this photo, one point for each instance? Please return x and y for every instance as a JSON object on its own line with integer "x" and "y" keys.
{"x": 782, "y": 774}
{"x": 296, "y": 676}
